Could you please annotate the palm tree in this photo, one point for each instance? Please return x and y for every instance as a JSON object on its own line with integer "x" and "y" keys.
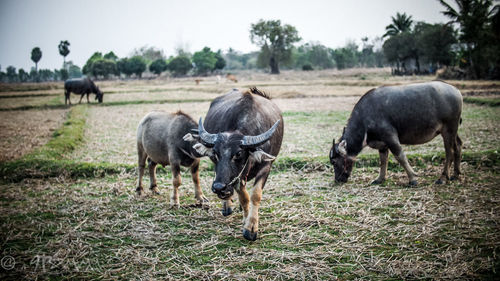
{"x": 474, "y": 17}
{"x": 36, "y": 55}
{"x": 401, "y": 23}
{"x": 64, "y": 50}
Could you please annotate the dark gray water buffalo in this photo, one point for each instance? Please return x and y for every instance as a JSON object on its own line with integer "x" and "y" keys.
{"x": 386, "y": 117}
{"x": 242, "y": 135}
{"x": 160, "y": 141}
{"x": 81, "y": 86}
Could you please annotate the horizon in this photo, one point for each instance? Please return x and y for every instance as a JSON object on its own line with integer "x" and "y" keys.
{"x": 189, "y": 24}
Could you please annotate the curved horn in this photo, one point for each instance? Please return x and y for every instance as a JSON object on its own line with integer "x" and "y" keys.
{"x": 254, "y": 141}
{"x": 205, "y": 136}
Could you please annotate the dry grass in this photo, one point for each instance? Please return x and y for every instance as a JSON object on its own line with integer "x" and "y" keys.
{"x": 23, "y": 131}
{"x": 310, "y": 228}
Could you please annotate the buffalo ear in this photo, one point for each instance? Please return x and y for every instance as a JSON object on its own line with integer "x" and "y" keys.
{"x": 203, "y": 150}
{"x": 343, "y": 148}
{"x": 259, "y": 156}
{"x": 191, "y": 137}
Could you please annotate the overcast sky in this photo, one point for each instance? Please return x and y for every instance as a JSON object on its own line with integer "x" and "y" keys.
{"x": 121, "y": 26}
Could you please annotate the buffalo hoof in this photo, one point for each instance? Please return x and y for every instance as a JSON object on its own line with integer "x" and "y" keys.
{"x": 413, "y": 183}
{"x": 251, "y": 236}
{"x": 202, "y": 201}
{"x": 155, "y": 190}
{"x": 453, "y": 178}
{"x": 226, "y": 212}
{"x": 139, "y": 191}
{"x": 377, "y": 181}
{"x": 439, "y": 181}
{"x": 175, "y": 205}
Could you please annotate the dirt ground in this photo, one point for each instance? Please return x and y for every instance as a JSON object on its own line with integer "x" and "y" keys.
{"x": 23, "y": 131}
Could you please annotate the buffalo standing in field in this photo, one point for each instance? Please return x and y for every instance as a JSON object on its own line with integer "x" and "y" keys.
{"x": 242, "y": 135}
{"x": 386, "y": 117}
{"x": 159, "y": 140}
{"x": 81, "y": 86}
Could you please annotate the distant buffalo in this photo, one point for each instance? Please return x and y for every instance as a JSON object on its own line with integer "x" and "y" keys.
{"x": 81, "y": 86}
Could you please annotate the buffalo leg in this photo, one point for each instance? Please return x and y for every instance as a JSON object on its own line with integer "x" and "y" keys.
{"x": 67, "y": 97}
{"x": 142, "y": 164}
{"x": 251, "y": 225}
{"x": 227, "y": 207}
{"x": 398, "y": 152}
{"x": 152, "y": 177}
{"x": 176, "y": 175}
{"x": 88, "y": 101}
{"x": 457, "y": 157}
{"x": 384, "y": 157}
{"x": 449, "y": 139}
{"x": 244, "y": 199}
{"x": 195, "y": 174}
{"x": 81, "y": 97}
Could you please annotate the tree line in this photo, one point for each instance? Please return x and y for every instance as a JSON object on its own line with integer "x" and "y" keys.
{"x": 467, "y": 45}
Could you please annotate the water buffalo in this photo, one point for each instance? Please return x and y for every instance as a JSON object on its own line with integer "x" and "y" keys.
{"x": 81, "y": 86}
{"x": 159, "y": 140}
{"x": 386, "y": 117}
{"x": 242, "y": 135}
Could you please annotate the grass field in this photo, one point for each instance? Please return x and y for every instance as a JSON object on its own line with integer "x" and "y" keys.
{"x": 68, "y": 208}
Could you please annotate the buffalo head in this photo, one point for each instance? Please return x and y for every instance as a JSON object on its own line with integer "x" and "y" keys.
{"x": 342, "y": 163}
{"x": 99, "y": 95}
{"x": 233, "y": 154}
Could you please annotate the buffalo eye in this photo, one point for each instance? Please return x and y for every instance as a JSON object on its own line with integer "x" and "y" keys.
{"x": 238, "y": 155}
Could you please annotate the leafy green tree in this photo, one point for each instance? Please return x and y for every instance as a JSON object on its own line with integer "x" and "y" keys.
{"x": 180, "y": 65}
{"x": 111, "y": 56}
{"x": 398, "y": 48}
{"x": 158, "y": 66}
{"x": 313, "y": 54}
{"x": 400, "y": 24}
{"x": 236, "y": 60}
{"x": 104, "y": 68}
{"x": 275, "y": 40}
{"x": 137, "y": 65}
{"x": 123, "y": 66}
{"x": 46, "y": 75}
{"x": 434, "y": 42}
{"x": 64, "y": 51}
{"x": 36, "y": 55}
{"x": 11, "y": 74}
{"x": 477, "y": 31}
{"x": 64, "y": 74}
{"x": 221, "y": 62}
{"x": 347, "y": 56}
{"x": 148, "y": 54}
{"x": 87, "y": 68}
{"x": 23, "y": 75}
{"x": 74, "y": 70}
{"x": 204, "y": 61}
{"x": 320, "y": 57}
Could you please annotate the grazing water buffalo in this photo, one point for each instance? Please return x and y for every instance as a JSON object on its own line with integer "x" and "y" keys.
{"x": 81, "y": 86}
{"x": 242, "y": 135}
{"x": 386, "y": 117}
{"x": 159, "y": 140}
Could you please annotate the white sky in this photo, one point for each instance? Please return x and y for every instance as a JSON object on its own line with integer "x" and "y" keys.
{"x": 121, "y": 26}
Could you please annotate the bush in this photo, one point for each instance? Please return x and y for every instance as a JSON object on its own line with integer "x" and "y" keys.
{"x": 158, "y": 66}
{"x": 307, "y": 67}
{"x": 180, "y": 65}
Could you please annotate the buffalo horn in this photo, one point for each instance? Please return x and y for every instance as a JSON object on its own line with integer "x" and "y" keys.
{"x": 254, "y": 141}
{"x": 206, "y": 137}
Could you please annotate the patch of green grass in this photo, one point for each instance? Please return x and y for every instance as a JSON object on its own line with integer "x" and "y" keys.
{"x": 119, "y": 103}
{"x": 483, "y": 101}
{"x": 65, "y": 139}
